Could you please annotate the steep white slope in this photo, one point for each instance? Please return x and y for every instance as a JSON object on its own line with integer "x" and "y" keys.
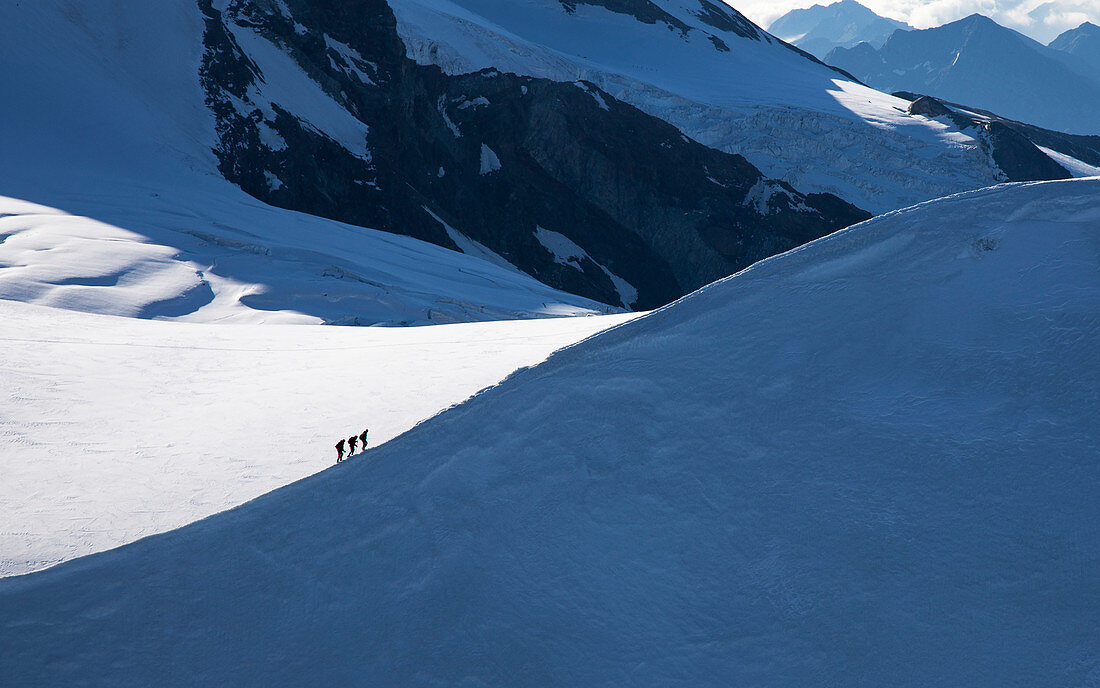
{"x": 112, "y": 202}
{"x": 1074, "y": 166}
{"x": 870, "y": 461}
{"x": 112, "y": 429}
{"x": 759, "y": 98}
{"x": 217, "y": 255}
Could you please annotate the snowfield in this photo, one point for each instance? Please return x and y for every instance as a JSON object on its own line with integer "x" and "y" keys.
{"x": 870, "y": 461}
{"x": 112, "y": 429}
{"x": 111, "y": 204}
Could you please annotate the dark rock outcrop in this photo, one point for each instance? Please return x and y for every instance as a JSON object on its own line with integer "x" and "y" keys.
{"x": 929, "y": 107}
{"x": 1018, "y": 157}
{"x": 583, "y": 192}
{"x": 1014, "y": 146}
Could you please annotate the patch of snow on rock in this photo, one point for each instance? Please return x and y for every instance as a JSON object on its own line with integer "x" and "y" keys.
{"x": 761, "y": 195}
{"x": 286, "y": 84}
{"x": 273, "y": 182}
{"x": 567, "y": 252}
{"x": 1074, "y": 166}
{"x": 489, "y": 161}
{"x": 480, "y": 101}
{"x": 595, "y": 94}
{"x": 352, "y": 59}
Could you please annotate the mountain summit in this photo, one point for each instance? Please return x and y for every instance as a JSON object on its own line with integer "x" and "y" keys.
{"x": 843, "y": 24}
{"x": 1082, "y": 42}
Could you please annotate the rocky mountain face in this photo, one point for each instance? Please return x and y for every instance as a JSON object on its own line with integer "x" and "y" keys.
{"x": 1080, "y": 49}
{"x": 821, "y": 28}
{"x": 764, "y": 99}
{"x": 1083, "y": 41}
{"x": 575, "y": 188}
{"x": 975, "y": 60}
{"x": 1016, "y": 147}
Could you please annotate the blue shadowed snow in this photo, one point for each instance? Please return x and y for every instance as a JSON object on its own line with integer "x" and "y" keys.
{"x": 871, "y": 461}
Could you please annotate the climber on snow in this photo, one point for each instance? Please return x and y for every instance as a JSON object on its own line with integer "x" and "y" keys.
{"x": 339, "y": 451}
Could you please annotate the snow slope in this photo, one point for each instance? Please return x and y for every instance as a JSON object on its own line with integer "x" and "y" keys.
{"x": 112, "y": 201}
{"x": 112, "y": 429}
{"x": 143, "y": 250}
{"x": 869, "y": 461}
{"x": 1075, "y": 167}
{"x": 758, "y": 97}
{"x": 111, "y": 204}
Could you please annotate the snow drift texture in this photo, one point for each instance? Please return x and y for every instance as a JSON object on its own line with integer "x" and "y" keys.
{"x": 870, "y": 461}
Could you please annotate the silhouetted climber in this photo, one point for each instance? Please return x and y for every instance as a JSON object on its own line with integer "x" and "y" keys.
{"x": 339, "y": 451}
{"x": 363, "y": 440}
{"x": 351, "y": 443}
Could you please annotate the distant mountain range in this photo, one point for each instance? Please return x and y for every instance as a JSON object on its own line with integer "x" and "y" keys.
{"x": 821, "y": 28}
{"x": 1084, "y": 41}
{"x": 1083, "y": 45}
{"x": 977, "y": 61}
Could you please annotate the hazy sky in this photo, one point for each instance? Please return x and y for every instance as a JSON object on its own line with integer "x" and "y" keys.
{"x": 1040, "y": 19}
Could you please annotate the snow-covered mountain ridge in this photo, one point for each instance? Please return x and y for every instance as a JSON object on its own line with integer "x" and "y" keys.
{"x": 312, "y": 105}
{"x": 152, "y": 251}
{"x": 845, "y": 23}
{"x": 1024, "y": 152}
{"x": 762, "y": 99}
{"x": 868, "y": 461}
{"x": 487, "y": 155}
